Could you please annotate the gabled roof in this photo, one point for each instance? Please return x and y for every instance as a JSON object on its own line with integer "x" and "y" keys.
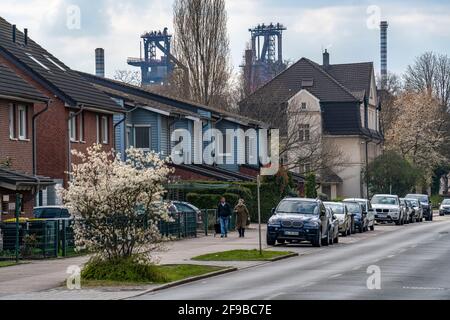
{"x": 13, "y": 86}
{"x": 50, "y": 72}
{"x": 167, "y": 100}
{"x": 292, "y": 80}
{"x": 356, "y": 77}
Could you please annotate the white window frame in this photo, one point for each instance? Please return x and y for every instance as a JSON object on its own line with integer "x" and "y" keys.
{"x": 22, "y": 117}
{"x": 304, "y": 128}
{"x": 105, "y": 129}
{"x": 37, "y": 61}
{"x": 72, "y": 127}
{"x": 149, "y": 133}
{"x": 81, "y": 126}
{"x": 12, "y": 123}
{"x": 129, "y": 140}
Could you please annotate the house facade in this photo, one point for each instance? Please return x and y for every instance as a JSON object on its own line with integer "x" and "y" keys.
{"x": 151, "y": 120}
{"x": 17, "y": 100}
{"x": 76, "y": 115}
{"x": 330, "y": 107}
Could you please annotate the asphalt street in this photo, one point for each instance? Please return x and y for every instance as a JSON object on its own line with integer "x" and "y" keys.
{"x": 411, "y": 263}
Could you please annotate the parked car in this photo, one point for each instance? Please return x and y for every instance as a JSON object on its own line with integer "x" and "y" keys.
{"x": 334, "y": 223}
{"x": 426, "y": 204}
{"x": 407, "y": 210}
{"x": 368, "y": 210}
{"x": 185, "y": 207}
{"x": 444, "y": 208}
{"x": 387, "y": 209}
{"x": 52, "y": 213}
{"x": 417, "y": 209}
{"x": 360, "y": 218}
{"x": 343, "y": 217}
{"x": 298, "y": 219}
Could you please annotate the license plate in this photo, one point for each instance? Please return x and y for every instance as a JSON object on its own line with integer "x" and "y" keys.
{"x": 291, "y": 233}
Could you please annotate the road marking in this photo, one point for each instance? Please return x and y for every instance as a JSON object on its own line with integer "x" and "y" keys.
{"x": 336, "y": 276}
{"x": 424, "y": 288}
{"x": 356, "y": 268}
{"x": 391, "y": 256}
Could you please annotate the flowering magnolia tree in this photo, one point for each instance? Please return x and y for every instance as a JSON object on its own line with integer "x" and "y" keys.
{"x": 117, "y": 204}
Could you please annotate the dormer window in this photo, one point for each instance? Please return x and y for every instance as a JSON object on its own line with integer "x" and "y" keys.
{"x": 304, "y": 106}
{"x": 306, "y": 83}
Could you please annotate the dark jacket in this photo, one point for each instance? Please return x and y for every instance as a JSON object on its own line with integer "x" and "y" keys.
{"x": 224, "y": 210}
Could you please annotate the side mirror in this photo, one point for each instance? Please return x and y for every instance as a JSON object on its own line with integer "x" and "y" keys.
{"x": 273, "y": 210}
{"x": 334, "y": 217}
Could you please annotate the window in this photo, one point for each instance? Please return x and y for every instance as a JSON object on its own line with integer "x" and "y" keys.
{"x": 129, "y": 137}
{"x": 22, "y": 122}
{"x": 304, "y": 106}
{"x": 306, "y": 168}
{"x": 142, "y": 137}
{"x": 104, "y": 126}
{"x": 12, "y": 121}
{"x": 38, "y": 62}
{"x": 54, "y": 63}
{"x": 72, "y": 127}
{"x": 304, "y": 132}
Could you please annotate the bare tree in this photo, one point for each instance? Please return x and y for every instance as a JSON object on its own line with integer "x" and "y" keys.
{"x": 201, "y": 44}
{"x": 392, "y": 88}
{"x": 431, "y": 72}
{"x": 129, "y": 77}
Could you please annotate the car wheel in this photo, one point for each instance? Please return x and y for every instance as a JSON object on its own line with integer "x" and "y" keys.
{"x": 372, "y": 228}
{"x": 318, "y": 241}
{"x": 281, "y": 242}
{"x": 326, "y": 241}
{"x": 336, "y": 240}
{"x": 361, "y": 229}
{"x": 271, "y": 241}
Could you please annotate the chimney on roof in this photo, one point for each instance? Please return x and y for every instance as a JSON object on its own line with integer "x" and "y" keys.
{"x": 326, "y": 59}
{"x": 14, "y": 28}
{"x": 25, "y": 36}
{"x": 100, "y": 62}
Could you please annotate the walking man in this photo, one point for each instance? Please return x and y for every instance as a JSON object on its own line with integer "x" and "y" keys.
{"x": 224, "y": 212}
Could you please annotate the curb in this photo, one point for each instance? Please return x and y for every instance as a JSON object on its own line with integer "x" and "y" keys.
{"x": 291, "y": 255}
{"x": 184, "y": 281}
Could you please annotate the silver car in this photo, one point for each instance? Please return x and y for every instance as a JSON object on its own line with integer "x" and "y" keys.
{"x": 342, "y": 215}
{"x": 368, "y": 210}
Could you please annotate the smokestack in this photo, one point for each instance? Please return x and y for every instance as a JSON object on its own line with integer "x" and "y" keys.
{"x": 100, "y": 62}
{"x": 25, "y": 36}
{"x": 383, "y": 46}
{"x": 326, "y": 59}
{"x": 14, "y": 28}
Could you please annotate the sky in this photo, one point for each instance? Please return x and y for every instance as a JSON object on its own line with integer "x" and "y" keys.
{"x": 348, "y": 29}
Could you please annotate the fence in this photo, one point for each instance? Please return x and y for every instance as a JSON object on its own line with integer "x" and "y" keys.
{"x": 44, "y": 239}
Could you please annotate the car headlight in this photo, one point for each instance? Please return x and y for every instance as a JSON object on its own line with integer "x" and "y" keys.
{"x": 274, "y": 221}
{"x": 311, "y": 224}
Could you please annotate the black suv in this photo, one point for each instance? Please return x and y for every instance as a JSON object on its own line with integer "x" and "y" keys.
{"x": 426, "y": 204}
{"x": 297, "y": 219}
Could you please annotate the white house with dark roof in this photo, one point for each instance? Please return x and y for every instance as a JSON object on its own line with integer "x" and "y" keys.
{"x": 342, "y": 108}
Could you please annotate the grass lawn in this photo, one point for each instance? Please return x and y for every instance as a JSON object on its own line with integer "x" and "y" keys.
{"x": 7, "y": 263}
{"x": 170, "y": 272}
{"x": 242, "y": 255}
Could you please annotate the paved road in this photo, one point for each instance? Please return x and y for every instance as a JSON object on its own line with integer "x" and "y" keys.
{"x": 414, "y": 262}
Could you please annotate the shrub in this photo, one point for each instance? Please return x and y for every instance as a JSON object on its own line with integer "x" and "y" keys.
{"x": 436, "y": 200}
{"x": 123, "y": 269}
{"x": 210, "y": 201}
{"x": 311, "y": 186}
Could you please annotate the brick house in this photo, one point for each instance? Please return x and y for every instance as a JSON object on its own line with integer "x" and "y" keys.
{"x": 77, "y": 115}
{"x": 17, "y": 99}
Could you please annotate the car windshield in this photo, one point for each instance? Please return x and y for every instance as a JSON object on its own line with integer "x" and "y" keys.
{"x": 47, "y": 213}
{"x": 353, "y": 207}
{"x": 421, "y": 198}
{"x": 446, "y": 202}
{"x": 336, "y": 207}
{"x": 298, "y": 207}
{"x": 384, "y": 200}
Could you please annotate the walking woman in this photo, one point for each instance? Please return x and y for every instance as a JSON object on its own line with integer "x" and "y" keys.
{"x": 242, "y": 217}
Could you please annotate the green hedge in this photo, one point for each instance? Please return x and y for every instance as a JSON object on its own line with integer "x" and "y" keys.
{"x": 210, "y": 201}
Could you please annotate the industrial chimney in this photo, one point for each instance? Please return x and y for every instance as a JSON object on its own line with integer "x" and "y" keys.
{"x": 100, "y": 62}
{"x": 326, "y": 59}
{"x": 383, "y": 43}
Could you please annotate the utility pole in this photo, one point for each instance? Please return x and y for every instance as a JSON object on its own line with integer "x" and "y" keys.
{"x": 259, "y": 213}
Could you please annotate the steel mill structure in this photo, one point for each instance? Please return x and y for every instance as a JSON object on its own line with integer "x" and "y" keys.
{"x": 383, "y": 46}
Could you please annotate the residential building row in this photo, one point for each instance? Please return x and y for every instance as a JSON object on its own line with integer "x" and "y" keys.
{"x": 47, "y": 110}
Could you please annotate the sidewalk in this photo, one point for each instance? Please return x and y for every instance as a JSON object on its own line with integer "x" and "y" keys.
{"x": 42, "y": 280}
